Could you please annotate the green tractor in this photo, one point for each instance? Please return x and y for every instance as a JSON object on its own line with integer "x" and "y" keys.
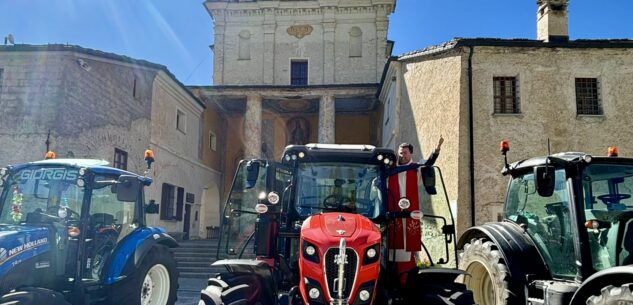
{"x": 567, "y": 236}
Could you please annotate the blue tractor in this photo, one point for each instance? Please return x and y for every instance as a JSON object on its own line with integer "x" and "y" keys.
{"x": 73, "y": 231}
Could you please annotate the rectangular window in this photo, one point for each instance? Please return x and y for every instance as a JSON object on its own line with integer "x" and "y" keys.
{"x": 120, "y": 159}
{"x": 506, "y": 97}
{"x": 213, "y": 141}
{"x": 299, "y": 72}
{"x": 588, "y": 96}
{"x": 172, "y": 202}
{"x": 167, "y": 202}
{"x": 181, "y": 121}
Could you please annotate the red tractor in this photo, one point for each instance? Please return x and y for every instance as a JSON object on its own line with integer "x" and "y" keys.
{"x": 313, "y": 229}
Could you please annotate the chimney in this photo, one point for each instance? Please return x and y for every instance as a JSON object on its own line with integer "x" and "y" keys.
{"x": 551, "y": 24}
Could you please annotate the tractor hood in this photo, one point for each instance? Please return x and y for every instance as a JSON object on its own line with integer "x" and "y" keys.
{"x": 19, "y": 243}
{"x": 329, "y": 228}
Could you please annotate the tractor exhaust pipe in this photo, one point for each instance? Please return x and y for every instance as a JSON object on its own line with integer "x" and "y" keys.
{"x": 341, "y": 260}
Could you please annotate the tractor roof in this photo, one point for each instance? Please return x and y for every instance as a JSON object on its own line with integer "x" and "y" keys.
{"x": 337, "y": 153}
{"x": 562, "y": 159}
{"x": 96, "y": 166}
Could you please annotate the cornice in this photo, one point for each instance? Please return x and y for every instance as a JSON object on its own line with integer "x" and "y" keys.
{"x": 251, "y": 11}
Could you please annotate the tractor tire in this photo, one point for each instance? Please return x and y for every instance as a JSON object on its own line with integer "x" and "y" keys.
{"x": 33, "y": 296}
{"x": 154, "y": 282}
{"x": 488, "y": 278}
{"x": 612, "y": 295}
{"x": 218, "y": 292}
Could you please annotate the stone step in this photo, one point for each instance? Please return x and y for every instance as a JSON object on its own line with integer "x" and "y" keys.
{"x": 205, "y": 263}
{"x": 195, "y": 254}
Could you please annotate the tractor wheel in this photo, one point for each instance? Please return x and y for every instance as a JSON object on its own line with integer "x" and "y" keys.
{"x": 154, "y": 283}
{"x": 218, "y": 292}
{"x": 612, "y": 295}
{"x": 33, "y": 296}
{"x": 488, "y": 273}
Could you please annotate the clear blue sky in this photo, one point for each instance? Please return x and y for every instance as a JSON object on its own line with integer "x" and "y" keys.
{"x": 177, "y": 33}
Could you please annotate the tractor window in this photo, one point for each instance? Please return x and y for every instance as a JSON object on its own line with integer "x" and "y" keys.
{"x": 344, "y": 187}
{"x": 547, "y": 221}
{"x": 36, "y": 195}
{"x": 607, "y": 190}
{"x": 110, "y": 221}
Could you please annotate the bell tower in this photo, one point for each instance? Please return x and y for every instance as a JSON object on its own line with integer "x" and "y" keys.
{"x": 552, "y": 20}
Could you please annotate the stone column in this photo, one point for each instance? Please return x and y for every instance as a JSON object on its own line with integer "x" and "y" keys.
{"x": 327, "y": 119}
{"x": 329, "y": 60}
{"x": 253, "y": 127}
{"x": 218, "y": 54}
{"x": 269, "y": 48}
{"x": 382, "y": 23}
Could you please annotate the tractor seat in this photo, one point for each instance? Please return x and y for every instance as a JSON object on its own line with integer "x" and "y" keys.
{"x": 627, "y": 243}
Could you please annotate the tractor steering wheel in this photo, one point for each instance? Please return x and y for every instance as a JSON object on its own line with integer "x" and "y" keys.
{"x": 334, "y": 201}
{"x": 613, "y": 198}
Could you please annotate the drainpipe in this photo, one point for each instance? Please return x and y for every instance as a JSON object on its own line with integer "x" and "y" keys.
{"x": 471, "y": 141}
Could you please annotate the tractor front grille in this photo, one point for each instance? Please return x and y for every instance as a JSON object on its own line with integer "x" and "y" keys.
{"x": 331, "y": 271}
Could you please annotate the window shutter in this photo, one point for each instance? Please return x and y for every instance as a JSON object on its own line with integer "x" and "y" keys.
{"x": 164, "y": 205}
{"x": 180, "y": 203}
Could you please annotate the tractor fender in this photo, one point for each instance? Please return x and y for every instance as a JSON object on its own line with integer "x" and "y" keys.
{"x": 149, "y": 242}
{"x": 518, "y": 250}
{"x": 132, "y": 249}
{"x": 615, "y": 276}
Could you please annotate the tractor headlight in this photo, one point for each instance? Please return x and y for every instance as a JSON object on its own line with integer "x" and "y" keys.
{"x": 82, "y": 171}
{"x": 314, "y": 293}
{"x": 364, "y": 295}
{"x": 310, "y": 252}
{"x": 380, "y": 157}
{"x": 371, "y": 254}
{"x": 404, "y": 203}
{"x": 273, "y": 198}
{"x": 81, "y": 182}
{"x": 301, "y": 155}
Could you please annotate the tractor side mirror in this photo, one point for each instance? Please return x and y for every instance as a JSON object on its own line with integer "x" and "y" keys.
{"x": 545, "y": 178}
{"x": 428, "y": 178}
{"x": 128, "y": 188}
{"x": 252, "y": 173}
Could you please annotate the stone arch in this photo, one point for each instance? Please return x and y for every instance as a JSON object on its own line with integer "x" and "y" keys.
{"x": 355, "y": 42}
{"x": 297, "y": 131}
{"x": 244, "y": 47}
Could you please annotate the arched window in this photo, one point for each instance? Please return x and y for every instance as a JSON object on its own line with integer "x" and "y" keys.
{"x": 244, "y": 48}
{"x": 355, "y": 42}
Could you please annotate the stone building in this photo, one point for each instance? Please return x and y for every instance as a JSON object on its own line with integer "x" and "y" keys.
{"x": 294, "y": 72}
{"x": 91, "y": 104}
{"x": 477, "y": 92}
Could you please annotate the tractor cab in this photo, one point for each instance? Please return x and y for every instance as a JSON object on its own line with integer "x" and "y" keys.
{"x": 315, "y": 225}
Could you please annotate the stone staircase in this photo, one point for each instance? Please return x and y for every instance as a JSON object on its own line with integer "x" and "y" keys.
{"x": 194, "y": 258}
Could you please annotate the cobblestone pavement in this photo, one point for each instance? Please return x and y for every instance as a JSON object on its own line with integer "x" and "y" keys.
{"x": 189, "y": 291}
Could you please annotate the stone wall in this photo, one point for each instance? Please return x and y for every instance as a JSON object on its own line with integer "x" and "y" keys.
{"x": 431, "y": 100}
{"x": 89, "y": 110}
{"x": 179, "y": 156}
{"x": 548, "y": 110}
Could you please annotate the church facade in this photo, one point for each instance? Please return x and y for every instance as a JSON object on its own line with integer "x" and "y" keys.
{"x": 295, "y": 72}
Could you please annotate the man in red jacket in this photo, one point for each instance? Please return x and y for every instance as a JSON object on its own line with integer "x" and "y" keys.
{"x": 405, "y": 235}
